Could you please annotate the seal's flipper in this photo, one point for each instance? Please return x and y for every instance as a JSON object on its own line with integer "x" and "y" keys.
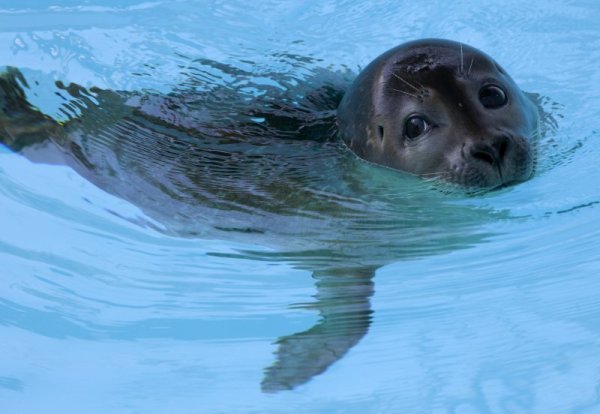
{"x": 343, "y": 301}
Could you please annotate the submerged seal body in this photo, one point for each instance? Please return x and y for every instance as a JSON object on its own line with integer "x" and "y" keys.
{"x": 437, "y": 108}
{"x": 198, "y": 165}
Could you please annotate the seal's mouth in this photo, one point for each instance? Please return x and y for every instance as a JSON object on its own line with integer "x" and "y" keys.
{"x": 473, "y": 186}
{"x": 503, "y": 161}
{"x": 479, "y": 176}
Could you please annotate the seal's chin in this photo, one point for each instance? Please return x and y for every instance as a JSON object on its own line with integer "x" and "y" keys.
{"x": 476, "y": 178}
{"x": 486, "y": 168}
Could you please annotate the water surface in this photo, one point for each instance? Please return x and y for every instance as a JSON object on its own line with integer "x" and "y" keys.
{"x": 109, "y": 302}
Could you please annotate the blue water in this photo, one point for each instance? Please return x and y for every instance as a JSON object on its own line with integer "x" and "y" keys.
{"x": 485, "y": 304}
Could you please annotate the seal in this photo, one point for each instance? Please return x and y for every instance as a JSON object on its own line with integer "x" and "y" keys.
{"x": 439, "y": 108}
{"x": 267, "y": 170}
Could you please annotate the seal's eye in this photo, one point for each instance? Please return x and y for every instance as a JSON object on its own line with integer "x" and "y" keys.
{"x": 492, "y": 96}
{"x": 415, "y": 126}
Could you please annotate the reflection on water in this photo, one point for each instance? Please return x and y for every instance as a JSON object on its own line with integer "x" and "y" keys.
{"x": 99, "y": 314}
{"x": 238, "y": 156}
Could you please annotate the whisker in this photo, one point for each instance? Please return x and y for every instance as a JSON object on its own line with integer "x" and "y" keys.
{"x": 406, "y": 93}
{"x": 470, "y": 66}
{"x": 534, "y": 134}
{"x": 406, "y": 82}
{"x": 439, "y": 174}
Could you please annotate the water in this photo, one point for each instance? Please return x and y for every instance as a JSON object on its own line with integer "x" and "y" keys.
{"x": 129, "y": 300}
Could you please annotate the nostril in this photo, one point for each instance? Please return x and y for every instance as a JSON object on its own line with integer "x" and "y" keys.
{"x": 484, "y": 156}
{"x": 502, "y": 146}
{"x": 492, "y": 152}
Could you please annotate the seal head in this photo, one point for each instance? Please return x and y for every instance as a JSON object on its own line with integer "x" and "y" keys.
{"x": 441, "y": 109}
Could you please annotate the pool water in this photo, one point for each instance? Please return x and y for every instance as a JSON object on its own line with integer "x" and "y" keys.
{"x": 297, "y": 278}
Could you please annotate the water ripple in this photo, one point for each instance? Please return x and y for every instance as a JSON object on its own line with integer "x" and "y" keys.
{"x": 187, "y": 254}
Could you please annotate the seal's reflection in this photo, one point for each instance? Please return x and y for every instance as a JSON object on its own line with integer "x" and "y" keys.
{"x": 343, "y": 300}
{"x": 261, "y": 169}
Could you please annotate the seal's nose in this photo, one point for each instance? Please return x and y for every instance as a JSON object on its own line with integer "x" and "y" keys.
{"x": 492, "y": 153}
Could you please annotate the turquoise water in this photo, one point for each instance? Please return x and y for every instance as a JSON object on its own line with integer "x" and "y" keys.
{"x": 112, "y": 302}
